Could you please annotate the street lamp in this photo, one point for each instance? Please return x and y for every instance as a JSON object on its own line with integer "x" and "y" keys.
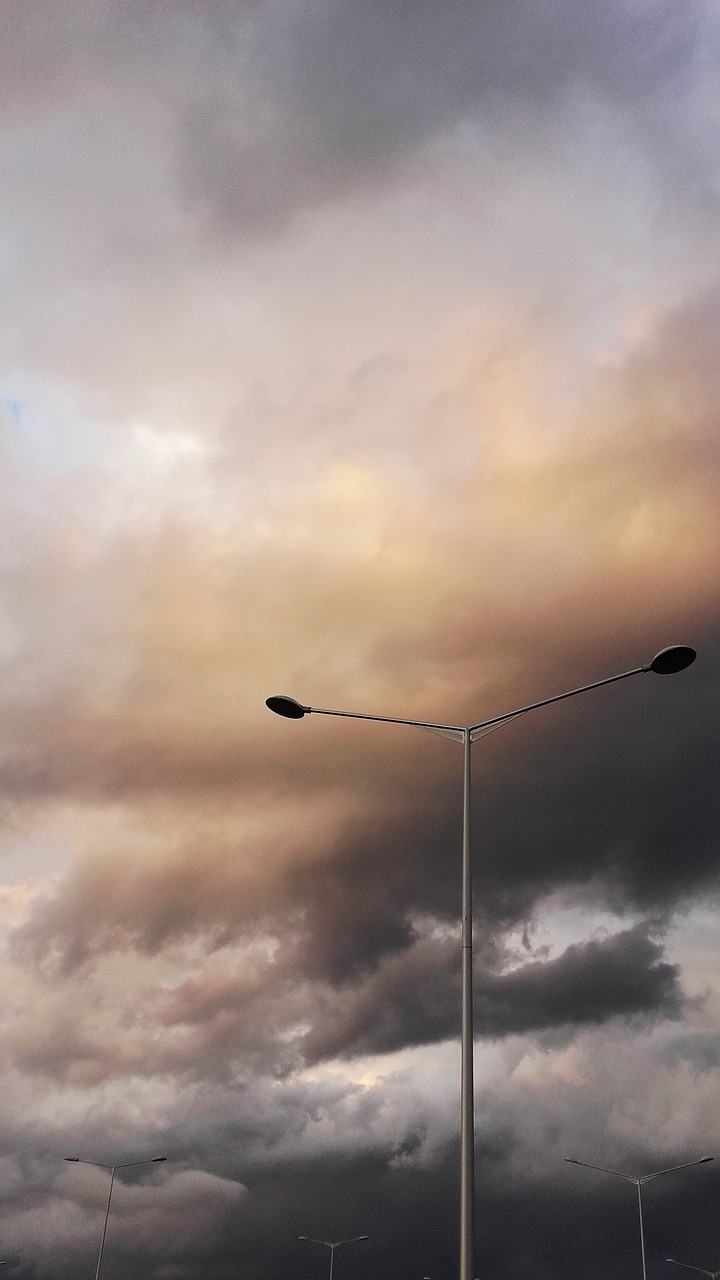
{"x": 132, "y": 1164}
{"x": 712, "y": 1274}
{"x": 332, "y": 1245}
{"x": 674, "y": 658}
{"x": 639, "y": 1182}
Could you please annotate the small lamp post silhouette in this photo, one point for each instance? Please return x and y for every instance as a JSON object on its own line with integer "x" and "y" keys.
{"x": 332, "y": 1245}
{"x": 639, "y": 1182}
{"x": 112, "y": 1169}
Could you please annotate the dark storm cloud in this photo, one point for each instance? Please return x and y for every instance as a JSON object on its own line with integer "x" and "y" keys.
{"x": 617, "y": 791}
{"x": 414, "y": 998}
{"x": 229, "y": 1013}
{"x": 248, "y": 1171}
{"x": 590, "y": 982}
{"x": 604, "y": 796}
{"x": 335, "y": 1161}
{"x": 616, "y": 794}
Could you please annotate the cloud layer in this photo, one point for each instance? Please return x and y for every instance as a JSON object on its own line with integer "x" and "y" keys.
{"x": 367, "y": 356}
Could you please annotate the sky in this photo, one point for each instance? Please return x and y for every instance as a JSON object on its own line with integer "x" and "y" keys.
{"x": 364, "y": 352}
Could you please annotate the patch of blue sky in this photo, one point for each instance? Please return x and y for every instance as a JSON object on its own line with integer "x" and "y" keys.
{"x": 51, "y": 436}
{"x": 14, "y": 408}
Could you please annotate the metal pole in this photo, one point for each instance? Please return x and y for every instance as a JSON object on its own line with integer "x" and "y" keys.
{"x": 332, "y": 1259}
{"x": 105, "y": 1225}
{"x": 642, "y": 1231}
{"x": 467, "y": 1091}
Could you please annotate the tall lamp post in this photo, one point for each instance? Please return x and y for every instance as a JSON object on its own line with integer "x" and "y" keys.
{"x": 639, "y": 1183}
{"x": 712, "y": 1274}
{"x": 667, "y": 662}
{"x": 112, "y": 1168}
{"x": 332, "y": 1245}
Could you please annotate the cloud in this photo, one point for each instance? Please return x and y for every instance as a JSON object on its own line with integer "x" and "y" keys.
{"x": 345, "y": 96}
{"x": 152, "y": 731}
{"x": 204, "y": 165}
{"x": 277, "y": 108}
{"x": 414, "y": 997}
{"x": 368, "y": 356}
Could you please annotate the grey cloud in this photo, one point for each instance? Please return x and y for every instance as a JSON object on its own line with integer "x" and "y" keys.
{"x": 51, "y": 1223}
{"x": 349, "y": 92}
{"x": 277, "y": 109}
{"x": 223, "y": 1022}
{"x": 327, "y": 1158}
{"x": 237, "y": 1159}
{"x": 413, "y": 998}
{"x": 699, "y": 1049}
{"x": 619, "y": 976}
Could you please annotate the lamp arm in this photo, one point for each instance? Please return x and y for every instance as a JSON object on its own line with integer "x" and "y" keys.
{"x": 558, "y": 697}
{"x": 601, "y": 1168}
{"x": 358, "y": 715}
{"x": 674, "y": 1168}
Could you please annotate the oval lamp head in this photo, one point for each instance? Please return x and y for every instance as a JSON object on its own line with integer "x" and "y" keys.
{"x": 675, "y": 658}
{"x": 287, "y": 707}
{"x": 158, "y": 1159}
{"x": 305, "y": 1238}
{"x": 706, "y": 1160}
{"x": 363, "y": 1237}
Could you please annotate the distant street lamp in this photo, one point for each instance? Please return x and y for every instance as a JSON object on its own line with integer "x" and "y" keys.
{"x": 674, "y": 658}
{"x": 113, "y": 1168}
{"x": 332, "y": 1245}
{"x": 712, "y": 1274}
{"x": 640, "y": 1182}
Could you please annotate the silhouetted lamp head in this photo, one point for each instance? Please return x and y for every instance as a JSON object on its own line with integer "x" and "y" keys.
{"x": 287, "y": 707}
{"x": 158, "y": 1159}
{"x": 675, "y": 658}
